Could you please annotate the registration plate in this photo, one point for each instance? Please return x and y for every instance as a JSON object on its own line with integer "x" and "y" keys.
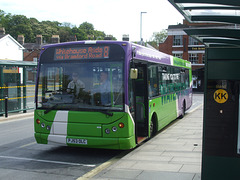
{"x": 76, "y": 141}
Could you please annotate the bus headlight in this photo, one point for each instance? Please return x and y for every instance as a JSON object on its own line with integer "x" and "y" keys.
{"x": 48, "y": 128}
{"x": 107, "y": 131}
{"x": 114, "y": 129}
{"x": 42, "y": 125}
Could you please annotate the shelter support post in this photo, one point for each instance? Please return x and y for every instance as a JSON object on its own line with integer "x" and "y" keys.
{"x": 1, "y": 91}
{"x": 221, "y": 124}
{"x": 24, "y": 90}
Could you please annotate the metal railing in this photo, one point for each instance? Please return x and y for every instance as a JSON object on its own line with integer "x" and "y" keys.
{"x": 21, "y": 100}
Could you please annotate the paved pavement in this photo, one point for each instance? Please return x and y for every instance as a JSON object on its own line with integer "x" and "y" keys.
{"x": 173, "y": 154}
{"x": 17, "y": 116}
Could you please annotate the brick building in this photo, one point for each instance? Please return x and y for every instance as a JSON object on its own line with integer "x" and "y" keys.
{"x": 32, "y": 50}
{"x": 179, "y": 44}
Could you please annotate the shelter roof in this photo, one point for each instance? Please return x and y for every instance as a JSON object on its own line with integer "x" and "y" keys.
{"x": 12, "y": 63}
{"x": 212, "y": 11}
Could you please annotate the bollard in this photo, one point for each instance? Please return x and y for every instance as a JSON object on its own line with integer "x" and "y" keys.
{"x": 6, "y": 106}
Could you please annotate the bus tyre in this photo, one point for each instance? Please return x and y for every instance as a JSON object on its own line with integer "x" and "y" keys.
{"x": 152, "y": 128}
{"x": 183, "y": 110}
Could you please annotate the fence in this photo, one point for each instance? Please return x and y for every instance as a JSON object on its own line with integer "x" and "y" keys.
{"x": 17, "y": 86}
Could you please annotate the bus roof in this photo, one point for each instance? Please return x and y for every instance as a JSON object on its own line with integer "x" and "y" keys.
{"x": 153, "y": 55}
{"x": 139, "y": 52}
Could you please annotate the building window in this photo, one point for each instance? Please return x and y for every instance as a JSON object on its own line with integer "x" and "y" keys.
{"x": 192, "y": 41}
{"x": 35, "y": 59}
{"x": 178, "y": 55}
{"x": 193, "y": 58}
{"x": 178, "y": 40}
{"x": 203, "y": 58}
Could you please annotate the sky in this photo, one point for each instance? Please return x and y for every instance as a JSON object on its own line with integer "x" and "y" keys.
{"x": 114, "y": 17}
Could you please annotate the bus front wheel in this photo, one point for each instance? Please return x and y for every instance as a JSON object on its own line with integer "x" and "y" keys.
{"x": 153, "y": 126}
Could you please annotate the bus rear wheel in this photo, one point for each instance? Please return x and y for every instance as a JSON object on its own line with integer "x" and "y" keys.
{"x": 183, "y": 110}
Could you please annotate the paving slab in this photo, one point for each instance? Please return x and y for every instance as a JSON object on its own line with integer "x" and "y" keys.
{"x": 173, "y": 154}
{"x": 153, "y": 175}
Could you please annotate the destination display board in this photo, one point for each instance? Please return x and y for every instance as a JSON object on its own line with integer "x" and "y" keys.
{"x": 81, "y": 53}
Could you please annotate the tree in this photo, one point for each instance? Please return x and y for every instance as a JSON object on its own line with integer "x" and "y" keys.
{"x": 79, "y": 33}
{"x": 87, "y": 27}
{"x": 20, "y": 24}
{"x": 2, "y": 13}
{"x": 99, "y": 35}
{"x": 4, "y": 19}
{"x": 30, "y": 27}
{"x": 49, "y": 28}
{"x": 64, "y": 33}
{"x": 36, "y": 27}
{"x": 158, "y": 37}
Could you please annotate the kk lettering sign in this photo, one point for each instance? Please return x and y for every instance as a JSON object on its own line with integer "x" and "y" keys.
{"x": 220, "y": 96}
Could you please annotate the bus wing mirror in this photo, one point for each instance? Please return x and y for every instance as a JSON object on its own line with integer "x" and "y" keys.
{"x": 133, "y": 73}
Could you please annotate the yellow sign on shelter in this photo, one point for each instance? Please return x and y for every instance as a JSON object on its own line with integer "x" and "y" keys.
{"x": 220, "y": 96}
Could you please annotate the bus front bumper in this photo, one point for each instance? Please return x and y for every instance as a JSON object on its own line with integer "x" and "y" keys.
{"x": 87, "y": 142}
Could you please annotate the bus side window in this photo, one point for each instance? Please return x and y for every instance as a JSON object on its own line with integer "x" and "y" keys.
{"x": 187, "y": 78}
{"x": 169, "y": 81}
{"x": 183, "y": 79}
{"x": 177, "y": 79}
{"x": 170, "y": 87}
{"x": 162, "y": 80}
{"x": 153, "y": 82}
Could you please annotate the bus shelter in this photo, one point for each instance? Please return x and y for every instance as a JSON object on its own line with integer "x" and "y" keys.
{"x": 17, "y": 85}
{"x": 221, "y": 123}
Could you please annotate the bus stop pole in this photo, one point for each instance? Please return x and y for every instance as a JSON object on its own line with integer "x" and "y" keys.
{"x": 1, "y": 90}
{"x": 6, "y": 106}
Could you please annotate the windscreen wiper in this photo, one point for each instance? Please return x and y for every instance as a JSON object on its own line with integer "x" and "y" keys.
{"x": 50, "y": 109}
{"x": 107, "y": 113}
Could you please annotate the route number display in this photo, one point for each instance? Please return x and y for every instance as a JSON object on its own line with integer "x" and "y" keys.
{"x": 76, "y": 53}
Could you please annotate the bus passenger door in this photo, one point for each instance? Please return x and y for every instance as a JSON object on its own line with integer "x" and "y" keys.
{"x": 140, "y": 101}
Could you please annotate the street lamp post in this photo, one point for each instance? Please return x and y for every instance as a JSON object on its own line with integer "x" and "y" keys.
{"x": 141, "y": 39}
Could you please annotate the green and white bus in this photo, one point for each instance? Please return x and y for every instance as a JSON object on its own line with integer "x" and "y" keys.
{"x": 126, "y": 93}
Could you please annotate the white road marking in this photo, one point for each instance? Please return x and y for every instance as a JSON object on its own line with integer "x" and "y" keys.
{"x": 29, "y": 144}
{"x": 47, "y": 161}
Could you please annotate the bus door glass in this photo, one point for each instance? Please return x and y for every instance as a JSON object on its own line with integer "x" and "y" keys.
{"x": 140, "y": 97}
